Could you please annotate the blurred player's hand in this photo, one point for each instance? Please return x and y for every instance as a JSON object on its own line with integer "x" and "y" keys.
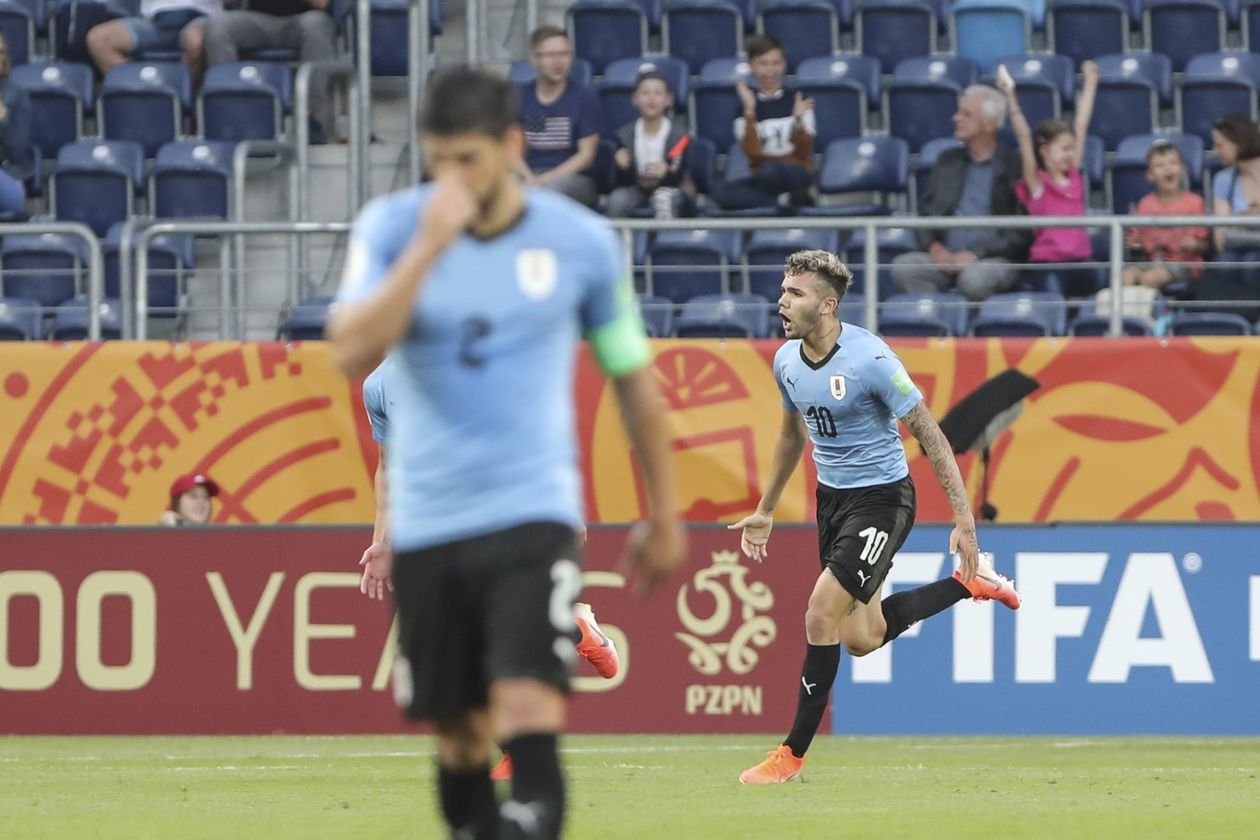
{"x": 581, "y": 535}
{"x": 962, "y": 541}
{"x": 756, "y": 534}
{"x": 654, "y": 551}
{"x": 377, "y": 562}
{"x": 450, "y": 211}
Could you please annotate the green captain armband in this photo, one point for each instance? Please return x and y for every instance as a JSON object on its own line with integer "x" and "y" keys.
{"x": 621, "y": 345}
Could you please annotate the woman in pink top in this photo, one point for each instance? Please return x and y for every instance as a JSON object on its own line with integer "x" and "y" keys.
{"x": 1051, "y": 183}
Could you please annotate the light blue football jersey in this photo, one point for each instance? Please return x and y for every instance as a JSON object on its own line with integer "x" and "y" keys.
{"x": 479, "y": 394}
{"x": 376, "y": 401}
{"x": 851, "y": 401}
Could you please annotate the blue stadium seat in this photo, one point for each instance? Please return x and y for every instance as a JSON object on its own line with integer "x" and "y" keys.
{"x": 918, "y": 111}
{"x": 723, "y": 316}
{"x": 702, "y": 164}
{"x": 658, "y": 316}
{"x": 714, "y": 103}
{"x": 96, "y": 181}
{"x": 42, "y": 267}
{"x": 21, "y": 319}
{"x": 1054, "y": 71}
{"x": 1087, "y": 29}
{"x": 1209, "y": 323}
{"x": 928, "y": 154}
{"x": 929, "y": 314}
{"x": 1124, "y": 106}
{"x": 522, "y": 72}
{"x": 684, "y": 264}
{"x": 847, "y": 68}
{"x": 1213, "y": 85}
{"x": 245, "y": 100}
{"x": 39, "y": 12}
{"x": 60, "y": 94}
{"x": 892, "y": 30}
{"x": 144, "y": 102}
{"x": 876, "y": 164}
{"x": 840, "y": 109}
{"x": 604, "y": 31}
{"x": 1249, "y": 23}
{"x": 1099, "y": 325}
{"x": 170, "y": 257}
{"x": 617, "y": 87}
{"x": 17, "y": 25}
{"x": 809, "y": 28}
{"x": 70, "y": 320}
{"x": 305, "y": 321}
{"x": 1021, "y": 314}
{"x": 699, "y": 30}
{"x": 1093, "y": 165}
{"x": 388, "y": 34}
{"x": 891, "y": 243}
{"x": 852, "y": 310}
{"x": 986, "y": 30}
{"x": 1152, "y": 67}
{"x": 1182, "y": 29}
{"x": 768, "y": 250}
{"x": 191, "y": 179}
{"x": 933, "y": 68}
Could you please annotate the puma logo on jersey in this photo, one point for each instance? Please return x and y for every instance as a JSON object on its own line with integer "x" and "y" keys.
{"x": 881, "y": 356}
{"x": 790, "y": 381}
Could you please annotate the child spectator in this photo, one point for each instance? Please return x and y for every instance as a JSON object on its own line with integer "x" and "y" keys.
{"x": 190, "y": 501}
{"x": 651, "y": 160}
{"x": 1052, "y": 183}
{"x": 1175, "y": 254}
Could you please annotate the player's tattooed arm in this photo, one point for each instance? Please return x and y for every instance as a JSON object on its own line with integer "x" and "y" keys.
{"x": 962, "y": 540}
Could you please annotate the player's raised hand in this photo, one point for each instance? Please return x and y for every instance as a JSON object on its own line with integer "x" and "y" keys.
{"x": 756, "y": 534}
{"x": 962, "y": 541}
{"x": 451, "y": 210}
{"x": 654, "y": 551}
{"x": 377, "y": 562}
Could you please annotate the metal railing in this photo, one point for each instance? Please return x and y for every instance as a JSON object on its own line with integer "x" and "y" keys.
{"x": 340, "y": 69}
{"x": 95, "y": 290}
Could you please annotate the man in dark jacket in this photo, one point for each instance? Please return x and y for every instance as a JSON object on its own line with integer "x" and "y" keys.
{"x": 651, "y": 155}
{"x": 975, "y": 180}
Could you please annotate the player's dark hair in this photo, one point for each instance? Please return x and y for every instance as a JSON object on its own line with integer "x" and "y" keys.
{"x": 759, "y": 45}
{"x": 542, "y": 33}
{"x": 466, "y": 100}
{"x": 824, "y": 265}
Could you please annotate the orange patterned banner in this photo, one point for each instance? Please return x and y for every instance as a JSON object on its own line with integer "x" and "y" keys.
{"x": 1119, "y": 430}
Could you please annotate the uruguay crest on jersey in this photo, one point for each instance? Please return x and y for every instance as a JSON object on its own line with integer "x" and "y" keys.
{"x": 837, "y": 386}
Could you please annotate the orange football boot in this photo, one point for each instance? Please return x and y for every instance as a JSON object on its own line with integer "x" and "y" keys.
{"x": 778, "y": 767}
{"x": 988, "y": 585}
{"x": 595, "y": 647}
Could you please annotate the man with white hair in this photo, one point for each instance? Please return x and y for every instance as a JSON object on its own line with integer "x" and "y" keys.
{"x": 976, "y": 179}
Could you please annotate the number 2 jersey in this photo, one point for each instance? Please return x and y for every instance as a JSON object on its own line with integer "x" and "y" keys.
{"x": 479, "y": 391}
{"x": 850, "y": 401}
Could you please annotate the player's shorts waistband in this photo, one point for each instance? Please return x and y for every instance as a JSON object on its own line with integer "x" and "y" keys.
{"x": 827, "y": 490}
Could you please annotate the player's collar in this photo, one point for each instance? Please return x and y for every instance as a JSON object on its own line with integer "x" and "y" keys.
{"x": 818, "y": 365}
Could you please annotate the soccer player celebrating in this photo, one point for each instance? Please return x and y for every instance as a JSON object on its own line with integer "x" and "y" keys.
{"x": 480, "y": 289}
{"x": 844, "y": 389}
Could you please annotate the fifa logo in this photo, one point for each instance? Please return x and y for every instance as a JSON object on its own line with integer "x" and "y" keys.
{"x": 722, "y": 637}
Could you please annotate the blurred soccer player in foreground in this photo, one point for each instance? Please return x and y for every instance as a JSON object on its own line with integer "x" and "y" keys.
{"x": 843, "y": 388}
{"x": 480, "y": 290}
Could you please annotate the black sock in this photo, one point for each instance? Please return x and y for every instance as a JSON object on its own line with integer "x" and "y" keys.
{"x": 901, "y": 609}
{"x": 468, "y": 802}
{"x": 817, "y": 675}
{"x": 536, "y": 809}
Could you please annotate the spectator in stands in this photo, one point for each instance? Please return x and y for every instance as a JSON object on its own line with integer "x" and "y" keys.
{"x": 1051, "y": 182}
{"x": 652, "y": 157}
{"x": 302, "y": 25}
{"x": 1171, "y": 254}
{"x": 976, "y": 180}
{"x": 561, "y": 120}
{"x": 17, "y": 159}
{"x": 190, "y": 501}
{"x": 776, "y": 132}
{"x": 1235, "y": 191}
{"x": 162, "y": 25}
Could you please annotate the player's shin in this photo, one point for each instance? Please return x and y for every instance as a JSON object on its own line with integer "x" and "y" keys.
{"x": 817, "y": 675}
{"x": 902, "y": 609}
{"x": 468, "y": 801}
{"x": 536, "y": 809}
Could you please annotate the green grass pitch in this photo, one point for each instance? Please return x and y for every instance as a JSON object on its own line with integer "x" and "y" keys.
{"x": 640, "y": 787}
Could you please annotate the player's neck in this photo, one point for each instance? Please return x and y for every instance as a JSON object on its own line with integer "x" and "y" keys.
{"x": 818, "y": 343}
{"x": 503, "y": 213}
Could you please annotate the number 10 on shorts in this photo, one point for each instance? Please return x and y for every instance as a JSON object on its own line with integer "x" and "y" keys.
{"x": 875, "y": 542}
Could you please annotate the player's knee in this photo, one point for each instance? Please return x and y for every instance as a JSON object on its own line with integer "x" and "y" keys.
{"x": 463, "y": 741}
{"x": 821, "y": 627}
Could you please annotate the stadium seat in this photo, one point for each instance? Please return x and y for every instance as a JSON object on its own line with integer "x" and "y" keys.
{"x": 617, "y": 87}
{"x": 699, "y": 30}
{"x": 245, "y": 100}
{"x": 1213, "y": 85}
{"x": 170, "y": 256}
{"x": 1086, "y": 29}
{"x": 1093, "y": 165}
{"x": 930, "y": 314}
{"x": 70, "y": 320}
{"x": 685, "y": 263}
{"x": 1021, "y": 314}
{"x": 847, "y": 68}
{"x": 39, "y": 12}
{"x": 767, "y": 250}
{"x": 891, "y": 243}
{"x": 522, "y": 72}
{"x": 1043, "y": 69}
{"x": 918, "y": 111}
{"x": 96, "y": 182}
{"x": 388, "y": 32}
{"x": 192, "y": 179}
{"x": 841, "y": 94}
{"x": 305, "y": 321}
{"x": 604, "y": 31}
{"x": 714, "y": 103}
{"x": 144, "y": 102}
{"x": 1152, "y": 67}
{"x": 21, "y": 319}
{"x": 60, "y": 94}
{"x": 986, "y": 30}
{"x": 702, "y": 164}
{"x": 658, "y": 316}
{"x": 876, "y": 164}
{"x": 1127, "y": 174}
{"x": 892, "y": 30}
{"x": 1182, "y": 29}
{"x": 923, "y": 164}
{"x": 17, "y": 25}
{"x": 723, "y": 316}
{"x": 933, "y": 68}
{"x": 852, "y": 309}
{"x": 1099, "y": 325}
{"x": 1209, "y": 323}
{"x": 43, "y": 267}
{"x": 809, "y": 28}
{"x": 1126, "y": 104}
{"x": 1249, "y": 23}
